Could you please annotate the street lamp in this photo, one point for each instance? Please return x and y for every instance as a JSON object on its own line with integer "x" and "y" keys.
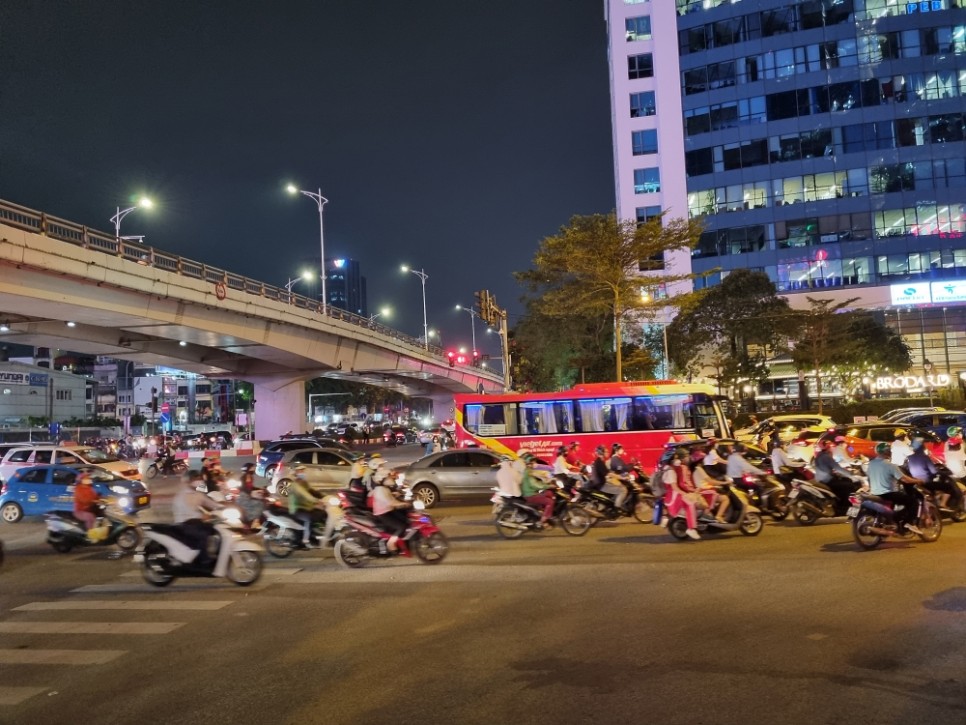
{"x": 143, "y": 203}
{"x": 307, "y": 275}
{"x": 928, "y": 368}
{"x": 383, "y": 312}
{"x": 473, "y": 315}
{"x": 422, "y": 278}
{"x": 321, "y": 201}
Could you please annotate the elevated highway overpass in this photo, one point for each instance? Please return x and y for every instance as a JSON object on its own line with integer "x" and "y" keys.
{"x": 129, "y": 301}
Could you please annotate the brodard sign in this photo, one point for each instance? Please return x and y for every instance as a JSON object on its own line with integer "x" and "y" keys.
{"x": 912, "y": 382}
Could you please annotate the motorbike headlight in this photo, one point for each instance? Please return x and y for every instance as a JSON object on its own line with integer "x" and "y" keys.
{"x": 231, "y": 516}
{"x": 419, "y": 505}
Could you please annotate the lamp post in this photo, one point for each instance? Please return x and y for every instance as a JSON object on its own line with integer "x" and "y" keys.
{"x": 384, "y": 312}
{"x": 306, "y": 275}
{"x": 422, "y": 278}
{"x": 473, "y": 315}
{"x": 928, "y": 368}
{"x": 143, "y": 203}
{"x": 321, "y": 201}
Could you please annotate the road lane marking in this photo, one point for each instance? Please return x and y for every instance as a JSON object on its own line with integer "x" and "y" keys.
{"x": 89, "y": 627}
{"x": 183, "y": 604}
{"x": 16, "y": 695}
{"x": 58, "y": 656}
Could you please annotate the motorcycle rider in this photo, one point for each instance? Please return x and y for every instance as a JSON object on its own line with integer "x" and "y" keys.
{"x": 573, "y": 456}
{"x": 166, "y": 457}
{"x": 211, "y": 474}
{"x": 681, "y": 493}
{"x": 562, "y": 470}
{"x": 303, "y": 504}
{"x": 508, "y": 478}
{"x": 707, "y": 486}
{"x": 249, "y": 497}
{"x": 738, "y": 467}
{"x": 831, "y": 474}
{"x": 535, "y": 491}
{"x": 187, "y": 508}
{"x": 921, "y": 465}
{"x": 841, "y": 452}
{"x": 86, "y": 499}
{"x": 713, "y": 463}
{"x": 780, "y": 458}
{"x": 955, "y": 456}
{"x": 901, "y": 449}
{"x": 884, "y": 480}
{"x": 389, "y": 511}
{"x": 621, "y": 469}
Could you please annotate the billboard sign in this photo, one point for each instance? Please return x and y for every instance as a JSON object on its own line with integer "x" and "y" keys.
{"x": 948, "y": 292}
{"x": 912, "y": 293}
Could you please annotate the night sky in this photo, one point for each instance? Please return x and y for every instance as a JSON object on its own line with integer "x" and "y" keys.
{"x": 451, "y": 136}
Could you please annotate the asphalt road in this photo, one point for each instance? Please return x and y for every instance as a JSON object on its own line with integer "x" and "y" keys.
{"x": 624, "y": 625}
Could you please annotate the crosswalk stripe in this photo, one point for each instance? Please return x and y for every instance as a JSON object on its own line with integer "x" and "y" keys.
{"x": 16, "y": 695}
{"x": 89, "y": 627}
{"x": 58, "y": 656}
{"x": 178, "y": 604}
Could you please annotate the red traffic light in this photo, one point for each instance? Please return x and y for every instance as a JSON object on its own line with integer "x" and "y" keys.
{"x": 461, "y": 359}
{"x": 452, "y": 357}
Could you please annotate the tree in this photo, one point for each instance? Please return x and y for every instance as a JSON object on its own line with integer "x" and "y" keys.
{"x": 592, "y": 269}
{"x": 730, "y": 327}
{"x": 844, "y": 345}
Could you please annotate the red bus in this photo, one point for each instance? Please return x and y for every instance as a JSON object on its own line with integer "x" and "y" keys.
{"x": 641, "y": 416}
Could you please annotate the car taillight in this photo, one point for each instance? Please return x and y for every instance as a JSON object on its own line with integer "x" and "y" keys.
{"x": 3, "y": 490}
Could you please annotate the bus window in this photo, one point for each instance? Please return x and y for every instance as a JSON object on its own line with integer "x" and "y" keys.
{"x": 494, "y": 419}
{"x": 661, "y": 412}
{"x": 547, "y": 417}
{"x": 704, "y": 417}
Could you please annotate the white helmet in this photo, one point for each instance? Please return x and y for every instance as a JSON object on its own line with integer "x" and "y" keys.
{"x": 376, "y": 462}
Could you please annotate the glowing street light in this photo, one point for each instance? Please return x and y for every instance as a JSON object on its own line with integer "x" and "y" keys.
{"x": 321, "y": 201}
{"x": 422, "y": 278}
{"x": 307, "y": 276}
{"x": 383, "y": 312}
{"x": 143, "y": 203}
{"x": 473, "y": 315}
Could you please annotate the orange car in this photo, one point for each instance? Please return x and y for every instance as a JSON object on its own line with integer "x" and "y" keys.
{"x": 863, "y": 437}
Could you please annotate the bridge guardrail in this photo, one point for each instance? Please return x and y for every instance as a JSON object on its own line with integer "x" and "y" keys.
{"x": 39, "y": 222}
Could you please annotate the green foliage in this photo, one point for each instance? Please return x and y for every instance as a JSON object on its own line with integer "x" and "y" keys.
{"x": 588, "y": 277}
{"x": 730, "y": 327}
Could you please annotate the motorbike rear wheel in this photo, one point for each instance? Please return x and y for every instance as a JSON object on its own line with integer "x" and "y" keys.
{"x": 752, "y": 524}
{"x": 931, "y": 523}
{"x": 678, "y": 528}
{"x": 152, "y": 471}
{"x": 280, "y": 543}
{"x": 959, "y": 513}
{"x": 352, "y": 550}
{"x": 129, "y": 539}
{"x": 780, "y": 508}
{"x": 153, "y": 567}
{"x": 60, "y": 543}
{"x": 510, "y": 515}
{"x": 244, "y": 568}
{"x": 860, "y": 530}
{"x": 804, "y": 516}
{"x": 575, "y": 520}
{"x": 431, "y": 549}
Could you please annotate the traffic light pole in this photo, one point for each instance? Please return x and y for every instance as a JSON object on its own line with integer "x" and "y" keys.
{"x": 504, "y": 334}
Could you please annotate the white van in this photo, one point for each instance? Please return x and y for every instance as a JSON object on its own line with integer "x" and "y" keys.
{"x": 36, "y": 455}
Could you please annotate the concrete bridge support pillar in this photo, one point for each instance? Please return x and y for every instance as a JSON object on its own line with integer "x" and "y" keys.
{"x": 442, "y": 407}
{"x": 280, "y": 406}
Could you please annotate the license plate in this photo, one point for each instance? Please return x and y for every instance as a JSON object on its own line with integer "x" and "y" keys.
{"x": 142, "y": 500}
{"x": 793, "y": 494}
{"x": 853, "y": 512}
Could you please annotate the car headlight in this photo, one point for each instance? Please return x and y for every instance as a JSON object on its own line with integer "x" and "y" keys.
{"x": 123, "y": 502}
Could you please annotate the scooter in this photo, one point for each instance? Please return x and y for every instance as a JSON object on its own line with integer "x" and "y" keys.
{"x": 64, "y": 532}
{"x": 361, "y": 538}
{"x": 514, "y": 516}
{"x": 767, "y": 494}
{"x": 166, "y": 468}
{"x": 873, "y": 519}
{"x": 283, "y": 533}
{"x": 742, "y": 516}
{"x": 955, "y": 507}
{"x": 811, "y": 500}
{"x": 640, "y": 502}
{"x": 170, "y": 551}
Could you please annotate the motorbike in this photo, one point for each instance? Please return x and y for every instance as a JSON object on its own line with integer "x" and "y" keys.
{"x": 742, "y": 516}
{"x": 810, "y": 500}
{"x": 873, "y": 518}
{"x": 64, "y": 532}
{"x": 514, "y": 516}
{"x": 640, "y": 502}
{"x": 173, "y": 467}
{"x": 361, "y": 539}
{"x": 767, "y": 494}
{"x": 170, "y": 552}
{"x": 955, "y": 507}
{"x": 282, "y": 532}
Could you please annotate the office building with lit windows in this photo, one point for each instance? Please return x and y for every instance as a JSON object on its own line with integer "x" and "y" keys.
{"x": 822, "y": 142}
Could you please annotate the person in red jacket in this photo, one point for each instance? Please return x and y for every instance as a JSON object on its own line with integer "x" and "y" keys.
{"x": 85, "y": 501}
{"x": 681, "y": 493}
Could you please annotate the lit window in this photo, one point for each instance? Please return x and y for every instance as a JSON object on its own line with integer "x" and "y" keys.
{"x": 642, "y": 104}
{"x": 647, "y": 181}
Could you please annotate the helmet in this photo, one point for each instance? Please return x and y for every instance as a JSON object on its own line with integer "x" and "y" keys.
{"x": 506, "y": 459}
{"x": 614, "y": 448}
{"x": 527, "y": 457}
{"x": 248, "y": 467}
{"x": 882, "y": 448}
{"x": 300, "y": 472}
{"x": 954, "y": 431}
{"x": 600, "y": 450}
{"x": 955, "y": 441}
{"x": 574, "y": 444}
{"x": 840, "y": 439}
{"x": 917, "y": 444}
{"x": 84, "y": 477}
{"x": 376, "y": 461}
{"x": 562, "y": 451}
{"x": 899, "y": 433}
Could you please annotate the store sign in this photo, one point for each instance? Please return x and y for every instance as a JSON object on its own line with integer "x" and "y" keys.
{"x": 948, "y": 292}
{"x": 916, "y": 293}
{"x": 912, "y": 382}
{"x": 17, "y": 378}
{"x": 925, "y": 6}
